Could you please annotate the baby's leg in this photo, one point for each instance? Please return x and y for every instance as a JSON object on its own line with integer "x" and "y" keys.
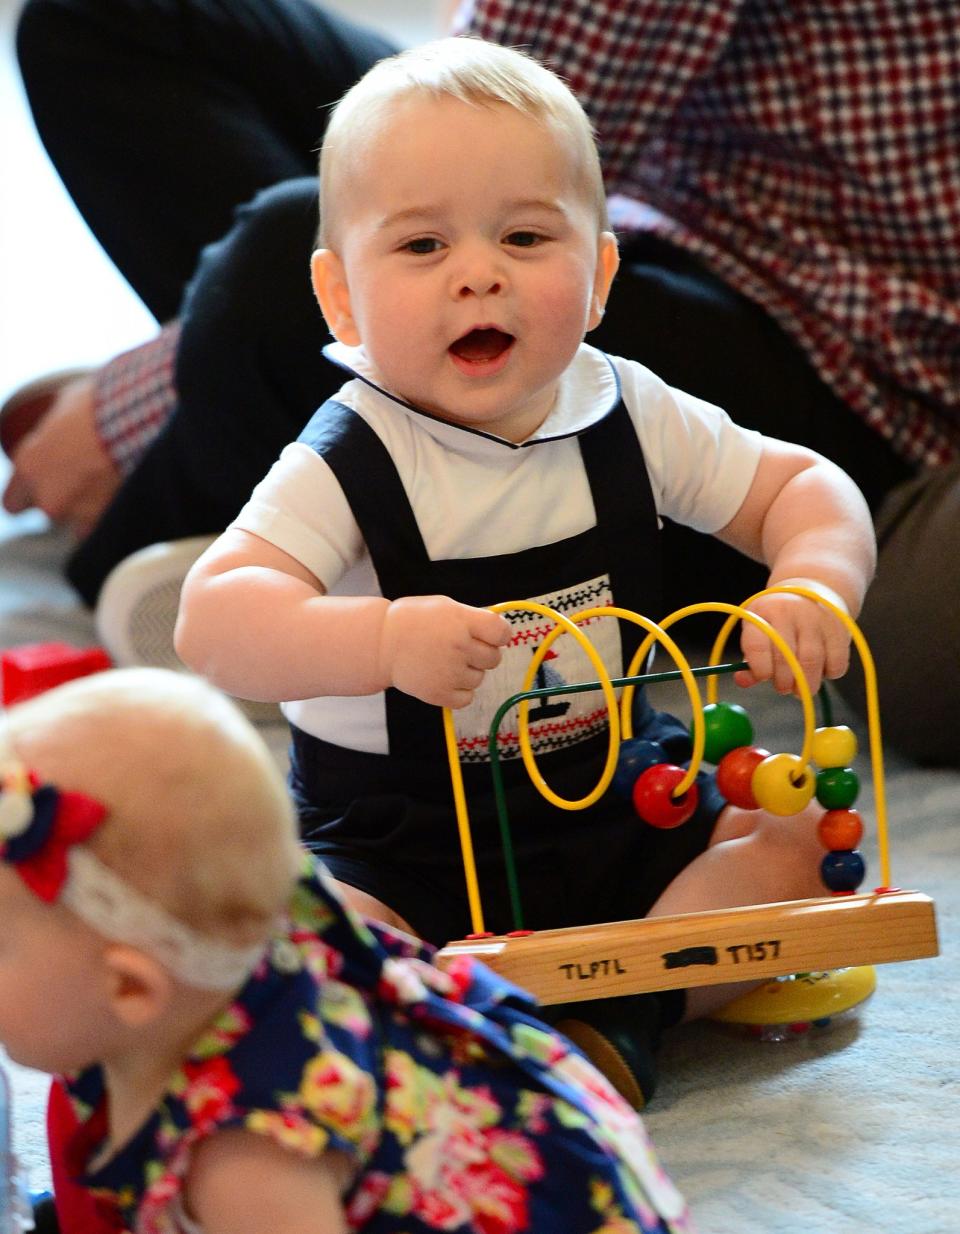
{"x": 753, "y": 858}
{"x": 367, "y": 906}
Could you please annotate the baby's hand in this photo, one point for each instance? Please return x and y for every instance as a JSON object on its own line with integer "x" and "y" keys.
{"x": 818, "y": 639}
{"x": 438, "y": 650}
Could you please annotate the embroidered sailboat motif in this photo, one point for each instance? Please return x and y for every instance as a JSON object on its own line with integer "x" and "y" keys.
{"x": 546, "y": 708}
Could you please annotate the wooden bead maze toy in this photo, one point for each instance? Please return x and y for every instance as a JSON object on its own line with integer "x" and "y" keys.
{"x": 841, "y": 929}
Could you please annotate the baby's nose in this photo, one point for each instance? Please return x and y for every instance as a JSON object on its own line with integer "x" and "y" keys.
{"x": 480, "y": 285}
{"x": 480, "y": 273}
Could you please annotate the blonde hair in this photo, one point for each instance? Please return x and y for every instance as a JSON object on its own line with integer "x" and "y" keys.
{"x": 471, "y": 71}
{"x": 198, "y": 814}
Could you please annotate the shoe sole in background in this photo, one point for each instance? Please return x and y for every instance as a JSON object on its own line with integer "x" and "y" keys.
{"x": 137, "y": 611}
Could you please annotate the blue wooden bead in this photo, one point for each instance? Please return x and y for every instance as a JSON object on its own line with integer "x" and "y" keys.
{"x": 843, "y": 870}
{"x": 635, "y": 756}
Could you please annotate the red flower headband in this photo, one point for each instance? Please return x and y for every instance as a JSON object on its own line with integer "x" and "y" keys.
{"x": 38, "y": 825}
{"x": 42, "y": 833}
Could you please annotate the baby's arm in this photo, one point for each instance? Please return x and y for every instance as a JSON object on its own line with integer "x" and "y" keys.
{"x": 809, "y": 522}
{"x": 257, "y": 623}
{"x": 242, "y": 1183}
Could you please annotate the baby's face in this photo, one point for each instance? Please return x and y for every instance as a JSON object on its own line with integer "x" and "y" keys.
{"x": 51, "y": 1013}
{"x": 473, "y": 261}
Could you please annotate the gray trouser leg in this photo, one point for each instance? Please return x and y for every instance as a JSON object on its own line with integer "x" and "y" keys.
{"x": 911, "y": 618}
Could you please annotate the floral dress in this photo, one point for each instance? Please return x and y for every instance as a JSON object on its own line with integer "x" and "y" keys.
{"x": 461, "y": 1111}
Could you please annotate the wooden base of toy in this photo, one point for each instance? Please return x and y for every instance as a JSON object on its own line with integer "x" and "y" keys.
{"x": 710, "y": 948}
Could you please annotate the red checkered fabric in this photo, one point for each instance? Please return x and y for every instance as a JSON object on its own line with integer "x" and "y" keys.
{"x": 808, "y": 151}
{"x": 134, "y": 395}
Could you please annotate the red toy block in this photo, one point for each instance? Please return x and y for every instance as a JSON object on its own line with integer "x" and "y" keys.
{"x": 35, "y": 667}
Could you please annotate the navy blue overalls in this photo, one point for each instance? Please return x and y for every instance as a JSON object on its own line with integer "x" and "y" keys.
{"x": 386, "y": 824}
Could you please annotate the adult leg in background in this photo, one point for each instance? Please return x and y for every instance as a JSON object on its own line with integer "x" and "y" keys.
{"x": 251, "y": 307}
{"x": 910, "y": 618}
{"x": 670, "y": 313}
{"x": 162, "y": 116}
{"x": 249, "y": 374}
{"x": 203, "y": 104}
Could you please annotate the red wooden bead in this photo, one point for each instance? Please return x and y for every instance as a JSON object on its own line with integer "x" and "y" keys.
{"x": 735, "y": 773}
{"x": 653, "y": 796}
{"x": 840, "y": 829}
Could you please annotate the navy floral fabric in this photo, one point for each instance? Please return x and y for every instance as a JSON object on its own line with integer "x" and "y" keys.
{"x": 462, "y": 1111}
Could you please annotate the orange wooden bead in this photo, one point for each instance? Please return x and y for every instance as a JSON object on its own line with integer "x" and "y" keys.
{"x": 840, "y": 829}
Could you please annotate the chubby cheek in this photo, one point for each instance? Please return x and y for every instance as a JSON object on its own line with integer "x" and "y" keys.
{"x": 52, "y": 1041}
{"x": 398, "y": 335}
{"x": 30, "y": 1027}
{"x": 66, "y": 1014}
{"x": 563, "y": 302}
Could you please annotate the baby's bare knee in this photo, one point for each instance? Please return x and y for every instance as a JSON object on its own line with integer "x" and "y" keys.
{"x": 368, "y": 906}
{"x": 786, "y": 854}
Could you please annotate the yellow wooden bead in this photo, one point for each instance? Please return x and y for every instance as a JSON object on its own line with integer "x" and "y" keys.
{"x": 782, "y": 784}
{"x": 835, "y": 746}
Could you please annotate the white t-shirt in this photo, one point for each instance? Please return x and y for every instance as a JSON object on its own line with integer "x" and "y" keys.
{"x": 475, "y": 495}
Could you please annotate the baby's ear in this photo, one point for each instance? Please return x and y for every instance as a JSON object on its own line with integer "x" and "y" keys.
{"x": 333, "y": 295}
{"x": 139, "y": 988}
{"x": 608, "y": 262}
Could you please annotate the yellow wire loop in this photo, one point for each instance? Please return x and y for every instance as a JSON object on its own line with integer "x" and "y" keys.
{"x": 654, "y": 633}
{"x": 738, "y": 612}
{"x": 872, "y": 699}
{"x": 463, "y": 824}
{"x": 621, "y": 720}
{"x": 562, "y": 623}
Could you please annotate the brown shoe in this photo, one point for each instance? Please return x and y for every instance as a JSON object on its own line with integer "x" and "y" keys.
{"x": 617, "y": 1059}
{"x": 26, "y": 407}
{"x": 620, "y": 1036}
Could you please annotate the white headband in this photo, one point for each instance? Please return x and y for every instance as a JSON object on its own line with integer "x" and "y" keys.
{"x": 98, "y": 896}
{"x": 120, "y": 912}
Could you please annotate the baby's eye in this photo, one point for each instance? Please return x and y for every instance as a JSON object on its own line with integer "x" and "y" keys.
{"x": 422, "y": 245}
{"x": 524, "y": 239}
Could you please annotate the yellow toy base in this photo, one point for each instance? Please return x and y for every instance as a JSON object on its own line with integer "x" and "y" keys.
{"x": 802, "y": 999}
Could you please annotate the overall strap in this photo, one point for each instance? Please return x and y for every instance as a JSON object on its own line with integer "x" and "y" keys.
{"x": 620, "y": 500}
{"x": 627, "y": 514}
{"x": 373, "y": 489}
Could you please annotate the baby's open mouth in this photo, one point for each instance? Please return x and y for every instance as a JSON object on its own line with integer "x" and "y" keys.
{"x": 482, "y": 346}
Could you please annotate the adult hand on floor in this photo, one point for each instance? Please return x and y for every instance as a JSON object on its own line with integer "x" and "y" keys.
{"x": 61, "y": 466}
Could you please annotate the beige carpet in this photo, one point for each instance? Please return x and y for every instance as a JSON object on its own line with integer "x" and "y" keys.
{"x": 853, "y": 1130}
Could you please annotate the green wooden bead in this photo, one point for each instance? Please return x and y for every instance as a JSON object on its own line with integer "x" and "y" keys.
{"x": 727, "y": 726}
{"x": 837, "y": 787}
